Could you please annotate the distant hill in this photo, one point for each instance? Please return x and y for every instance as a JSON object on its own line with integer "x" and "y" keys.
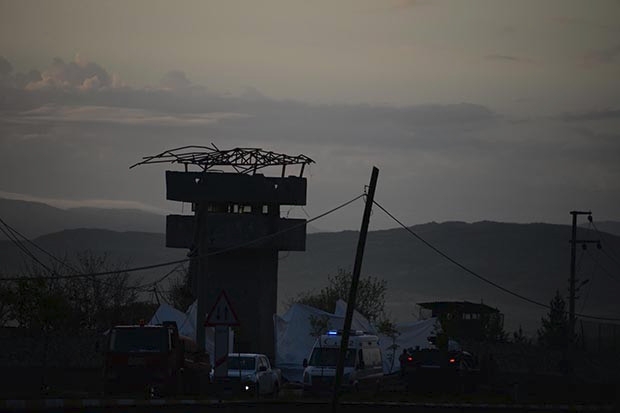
{"x": 130, "y": 249}
{"x": 530, "y": 259}
{"x": 611, "y": 227}
{"x": 34, "y": 219}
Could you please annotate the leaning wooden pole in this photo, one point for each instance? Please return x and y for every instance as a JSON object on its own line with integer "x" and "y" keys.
{"x": 361, "y": 243}
{"x": 201, "y": 279}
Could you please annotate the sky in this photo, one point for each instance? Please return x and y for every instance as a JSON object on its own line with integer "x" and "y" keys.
{"x": 472, "y": 110}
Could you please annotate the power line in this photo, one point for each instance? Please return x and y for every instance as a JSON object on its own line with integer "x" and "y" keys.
{"x": 604, "y": 251}
{"x": 146, "y": 287}
{"x": 601, "y": 234}
{"x": 25, "y": 250}
{"x": 37, "y": 246}
{"x": 458, "y": 264}
{"x": 486, "y": 280}
{"x": 184, "y": 260}
{"x": 141, "y": 288}
{"x": 20, "y": 246}
{"x": 99, "y": 274}
{"x": 587, "y": 292}
{"x": 585, "y": 298}
{"x": 611, "y": 257}
{"x": 275, "y": 234}
{"x": 580, "y": 259}
{"x": 605, "y": 271}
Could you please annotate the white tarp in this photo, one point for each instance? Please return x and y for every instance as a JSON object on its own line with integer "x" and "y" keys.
{"x": 186, "y": 323}
{"x": 411, "y": 335}
{"x": 294, "y": 341}
{"x": 359, "y": 321}
{"x": 293, "y": 338}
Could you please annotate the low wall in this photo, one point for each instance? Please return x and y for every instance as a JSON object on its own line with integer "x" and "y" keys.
{"x": 28, "y": 348}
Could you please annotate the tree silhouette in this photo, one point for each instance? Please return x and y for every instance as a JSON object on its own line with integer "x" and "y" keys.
{"x": 180, "y": 294}
{"x": 43, "y": 300}
{"x": 554, "y": 329}
{"x": 388, "y": 328}
{"x": 319, "y": 325}
{"x": 519, "y": 338}
{"x": 370, "y": 301}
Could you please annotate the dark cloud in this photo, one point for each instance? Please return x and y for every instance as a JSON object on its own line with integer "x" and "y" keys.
{"x": 93, "y": 115}
{"x": 24, "y": 79}
{"x": 507, "y": 29}
{"x": 603, "y": 56}
{"x": 62, "y": 94}
{"x": 396, "y": 5}
{"x": 580, "y": 22}
{"x": 79, "y": 74}
{"x": 5, "y": 67}
{"x": 592, "y": 115}
{"x": 507, "y": 58}
{"x": 8, "y": 79}
{"x": 452, "y": 161}
{"x": 175, "y": 80}
{"x": 251, "y": 93}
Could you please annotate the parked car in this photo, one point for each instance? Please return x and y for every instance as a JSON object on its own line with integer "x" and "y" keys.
{"x": 253, "y": 374}
{"x": 439, "y": 366}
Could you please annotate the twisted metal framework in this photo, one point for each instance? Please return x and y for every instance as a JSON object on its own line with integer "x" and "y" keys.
{"x": 242, "y": 160}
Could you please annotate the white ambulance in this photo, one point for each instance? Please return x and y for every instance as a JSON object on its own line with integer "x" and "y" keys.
{"x": 363, "y": 367}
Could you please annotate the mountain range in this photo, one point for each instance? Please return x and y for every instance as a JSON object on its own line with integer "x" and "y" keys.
{"x": 34, "y": 219}
{"x": 531, "y": 261}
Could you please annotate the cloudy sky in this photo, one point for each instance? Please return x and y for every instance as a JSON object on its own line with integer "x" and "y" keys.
{"x": 472, "y": 110}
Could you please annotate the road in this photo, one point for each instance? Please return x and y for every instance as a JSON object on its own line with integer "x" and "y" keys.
{"x": 276, "y": 406}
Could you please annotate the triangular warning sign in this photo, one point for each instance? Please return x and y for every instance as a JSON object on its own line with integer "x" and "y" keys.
{"x": 222, "y": 313}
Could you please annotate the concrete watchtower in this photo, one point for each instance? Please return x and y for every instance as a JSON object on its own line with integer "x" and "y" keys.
{"x": 236, "y": 231}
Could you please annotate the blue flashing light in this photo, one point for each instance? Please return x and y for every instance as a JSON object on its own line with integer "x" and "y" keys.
{"x": 332, "y": 333}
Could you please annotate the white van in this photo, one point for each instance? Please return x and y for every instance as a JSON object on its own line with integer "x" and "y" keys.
{"x": 363, "y": 367}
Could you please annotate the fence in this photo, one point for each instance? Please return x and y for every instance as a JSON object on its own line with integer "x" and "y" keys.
{"x": 600, "y": 337}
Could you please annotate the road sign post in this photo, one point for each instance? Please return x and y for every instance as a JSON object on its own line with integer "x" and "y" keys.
{"x": 221, "y": 316}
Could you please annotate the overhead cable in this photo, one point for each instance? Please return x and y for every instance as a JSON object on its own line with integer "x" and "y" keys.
{"x": 184, "y": 260}
{"x": 601, "y": 234}
{"x": 475, "y": 274}
{"x": 25, "y": 250}
{"x": 11, "y": 236}
{"x": 603, "y": 269}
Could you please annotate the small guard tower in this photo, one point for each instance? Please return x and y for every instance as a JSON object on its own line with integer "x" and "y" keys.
{"x": 235, "y": 232}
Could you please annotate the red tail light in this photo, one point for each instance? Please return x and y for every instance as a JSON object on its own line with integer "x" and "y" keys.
{"x": 409, "y": 358}
{"x": 452, "y": 360}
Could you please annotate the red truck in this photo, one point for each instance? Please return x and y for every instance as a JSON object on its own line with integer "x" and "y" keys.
{"x": 152, "y": 359}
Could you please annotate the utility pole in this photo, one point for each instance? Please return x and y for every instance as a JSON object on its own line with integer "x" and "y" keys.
{"x": 361, "y": 243}
{"x": 573, "y": 255}
{"x": 201, "y": 273}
